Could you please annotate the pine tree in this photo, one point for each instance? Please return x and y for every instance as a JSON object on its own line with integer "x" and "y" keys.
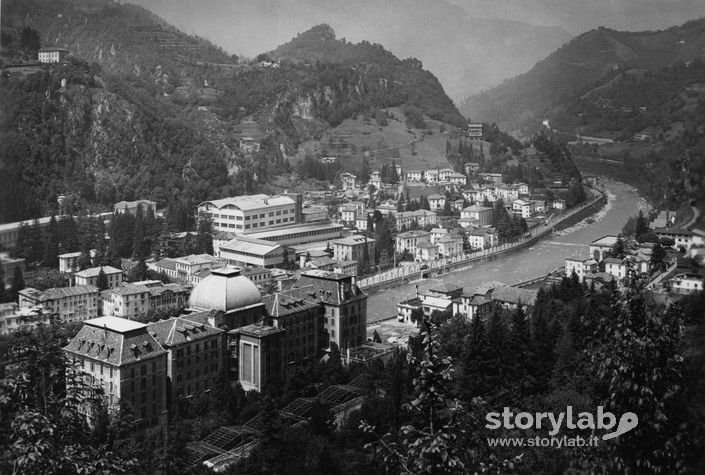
{"x": 50, "y": 256}
{"x": 102, "y": 280}
{"x": 204, "y": 239}
{"x": 4, "y": 296}
{"x": 139, "y": 250}
{"x": 658, "y": 256}
{"x": 17, "y": 283}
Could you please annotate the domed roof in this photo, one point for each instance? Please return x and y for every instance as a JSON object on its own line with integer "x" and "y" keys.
{"x": 226, "y": 290}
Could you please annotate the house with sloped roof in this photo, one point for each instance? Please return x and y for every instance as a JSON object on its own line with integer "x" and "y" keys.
{"x": 512, "y": 297}
{"x": 63, "y": 304}
{"x": 122, "y": 360}
{"x": 137, "y": 299}
{"x": 471, "y": 305}
{"x": 90, "y": 276}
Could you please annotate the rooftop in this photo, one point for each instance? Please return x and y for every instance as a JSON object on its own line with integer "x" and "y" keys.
{"x": 353, "y": 240}
{"x": 674, "y": 231}
{"x": 605, "y": 241}
{"x": 250, "y": 202}
{"x": 250, "y": 245}
{"x": 413, "y": 234}
{"x": 515, "y": 295}
{"x": 115, "y": 324}
{"x": 58, "y": 292}
{"x": 258, "y": 330}
{"x": 94, "y": 271}
{"x": 476, "y": 208}
{"x": 286, "y": 303}
{"x": 296, "y": 229}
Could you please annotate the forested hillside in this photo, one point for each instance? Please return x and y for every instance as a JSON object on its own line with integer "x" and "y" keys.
{"x": 142, "y": 110}
{"x": 586, "y": 63}
{"x": 388, "y": 79}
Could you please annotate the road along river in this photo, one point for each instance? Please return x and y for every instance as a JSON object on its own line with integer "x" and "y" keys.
{"x": 526, "y": 263}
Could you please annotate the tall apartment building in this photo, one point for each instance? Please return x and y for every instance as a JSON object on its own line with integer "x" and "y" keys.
{"x": 250, "y": 213}
{"x": 196, "y": 352}
{"x": 354, "y": 248}
{"x": 303, "y": 321}
{"x": 123, "y": 359}
{"x": 344, "y": 303}
{"x": 64, "y": 304}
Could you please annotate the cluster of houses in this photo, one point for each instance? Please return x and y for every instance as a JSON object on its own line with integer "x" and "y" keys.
{"x": 476, "y": 302}
{"x": 601, "y": 265}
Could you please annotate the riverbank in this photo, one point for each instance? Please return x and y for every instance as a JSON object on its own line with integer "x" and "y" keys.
{"x": 401, "y": 276}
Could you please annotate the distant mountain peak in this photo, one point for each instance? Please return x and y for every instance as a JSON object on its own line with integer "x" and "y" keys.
{"x": 323, "y": 32}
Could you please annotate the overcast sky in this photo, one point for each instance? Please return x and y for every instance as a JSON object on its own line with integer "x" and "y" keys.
{"x": 253, "y": 26}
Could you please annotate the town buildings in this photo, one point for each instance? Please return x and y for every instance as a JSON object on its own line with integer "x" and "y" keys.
{"x": 687, "y": 283}
{"x": 409, "y": 240}
{"x": 250, "y": 213}
{"x": 603, "y": 247}
{"x": 113, "y": 276}
{"x": 196, "y": 352}
{"x": 345, "y": 306}
{"x": 349, "y": 181}
{"x": 472, "y": 305}
{"x": 524, "y": 208}
{"x": 354, "y": 248}
{"x": 13, "y": 318}
{"x": 483, "y": 238}
{"x": 581, "y": 266}
{"x": 421, "y": 217}
{"x": 482, "y": 214}
{"x": 121, "y": 358}
{"x": 228, "y": 291}
{"x": 64, "y": 304}
{"x": 185, "y": 269}
{"x": 137, "y": 299}
{"x": 246, "y": 250}
{"x": 132, "y": 206}
{"x": 303, "y": 321}
{"x": 68, "y": 262}
{"x": 52, "y": 54}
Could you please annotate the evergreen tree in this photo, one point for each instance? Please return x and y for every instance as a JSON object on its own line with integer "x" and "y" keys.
{"x": 4, "y": 296}
{"x": 102, "y": 281}
{"x": 140, "y": 251}
{"x": 520, "y": 353}
{"x": 642, "y": 227}
{"x": 138, "y": 272}
{"x": 497, "y": 341}
{"x": 474, "y": 358}
{"x": 618, "y": 249}
{"x": 658, "y": 257}
{"x": 636, "y": 353}
{"x": 204, "y": 239}
{"x": 17, "y": 283}
{"x": 50, "y": 256}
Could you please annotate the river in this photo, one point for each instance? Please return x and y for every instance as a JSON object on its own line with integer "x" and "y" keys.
{"x": 527, "y": 263}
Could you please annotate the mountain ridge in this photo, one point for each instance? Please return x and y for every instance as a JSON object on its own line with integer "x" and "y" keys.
{"x": 584, "y": 63}
{"x": 477, "y": 53}
{"x": 183, "y": 105}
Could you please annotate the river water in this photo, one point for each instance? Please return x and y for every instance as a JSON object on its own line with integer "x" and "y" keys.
{"x": 527, "y": 263}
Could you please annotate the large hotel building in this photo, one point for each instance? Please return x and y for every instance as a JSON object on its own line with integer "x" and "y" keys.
{"x": 251, "y": 213}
